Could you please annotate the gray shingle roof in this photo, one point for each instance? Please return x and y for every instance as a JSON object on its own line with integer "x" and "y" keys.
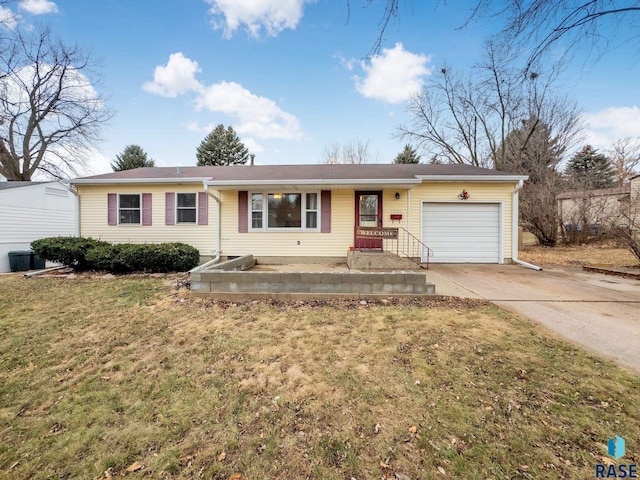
{"x": 240, "y": 173}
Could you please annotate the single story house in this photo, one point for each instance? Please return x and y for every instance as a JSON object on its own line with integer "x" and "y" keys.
{"x": 302, "y": 213}
{"x": 602, "y": 207}
{"x": 34, "y": 210}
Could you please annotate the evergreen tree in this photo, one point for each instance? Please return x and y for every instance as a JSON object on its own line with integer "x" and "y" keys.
{"x": 590, "y": 169}
{"x": 533, "y": 150}
{"x": 133, "y": 156}
{"x": 222, "y": 147}
{"x": 408, "y": 155}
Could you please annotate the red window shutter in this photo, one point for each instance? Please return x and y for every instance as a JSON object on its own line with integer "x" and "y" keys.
{"x": 325, "y": 211}
{"x": 243, "y": 211}
{"x": 203, "y": 208}
{"x": 112, "y": 209}
{"x": 169, "y": 208}
{"x": 146, "y": 209}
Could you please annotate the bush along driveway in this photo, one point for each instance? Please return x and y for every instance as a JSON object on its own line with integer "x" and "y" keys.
{"x": 599, "y": 312}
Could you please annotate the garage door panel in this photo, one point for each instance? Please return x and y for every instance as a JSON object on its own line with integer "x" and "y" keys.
{"x": 462, "y": 233}
{"x": 464, "y": 230}
{"x": 477, "y": 223}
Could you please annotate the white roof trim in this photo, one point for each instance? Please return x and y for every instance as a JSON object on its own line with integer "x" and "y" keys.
{"x": 319, "y": 181}
{"x": 111, "y": 181}
{"x": 472, "y": 178}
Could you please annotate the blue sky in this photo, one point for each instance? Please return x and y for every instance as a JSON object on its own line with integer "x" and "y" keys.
{"x": 288, "y": 75}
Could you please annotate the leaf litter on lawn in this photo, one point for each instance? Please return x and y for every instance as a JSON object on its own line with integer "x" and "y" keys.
{"x": 99, "y": 375}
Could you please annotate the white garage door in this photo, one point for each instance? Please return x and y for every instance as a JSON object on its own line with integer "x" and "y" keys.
{"x": 462, "y": 232}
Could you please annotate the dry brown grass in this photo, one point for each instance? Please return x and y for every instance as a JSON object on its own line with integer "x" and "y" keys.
{"x": 597, "y": 253}
{"x": 98, "y": 376}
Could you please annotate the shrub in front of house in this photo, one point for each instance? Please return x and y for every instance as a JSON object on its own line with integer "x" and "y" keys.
{"x": 149, "y": 257}
{"x": 107, "y": 258}
{"x": 69, "y": 251}
{"x": 118, "y": 258}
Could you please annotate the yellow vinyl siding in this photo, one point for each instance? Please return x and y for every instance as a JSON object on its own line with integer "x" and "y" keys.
{"x": 390, "y": 206}
{"x": 478, "y": 192}
{"x": 93, "y": 217}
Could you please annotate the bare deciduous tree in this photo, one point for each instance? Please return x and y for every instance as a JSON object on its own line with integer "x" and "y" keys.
{"x": 539, "y": 25}
{"x": 466, "y": 119}
{"x": 585, "y": 24}
{"x": 354, "y": 152}
{"x": 50, "y": 112}
{"x": 624, "y": 156}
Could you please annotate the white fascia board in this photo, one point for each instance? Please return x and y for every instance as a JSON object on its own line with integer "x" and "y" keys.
{"x": 319, "y": 181}
{"x": 472, "y": 178}
{"x": 124, "y": 181}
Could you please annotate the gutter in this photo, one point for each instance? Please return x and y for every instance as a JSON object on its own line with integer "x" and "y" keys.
{"x": 131, "y": 181}
{"x": 472, "y": 178}
{"x": 514, "y": 230}
{"x": 232, "y": 184}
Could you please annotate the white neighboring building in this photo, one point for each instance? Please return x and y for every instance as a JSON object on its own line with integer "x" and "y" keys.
{"x": 33, "y": 210}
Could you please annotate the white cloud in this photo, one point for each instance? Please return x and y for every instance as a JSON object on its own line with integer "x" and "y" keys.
{"x": 347, "y": 63}
{"x": 610, "y": 124}
{"x": 271, "y": 15}
{"x": 253, "y": 146}
{"x": 38, "y": 7}
{"x": 394, "y": 75}
{"x": 254, "y": 116}
{"x": 176, "y": 78}
{"x": 97, "y": 163}
{"x": 8, "y": 18}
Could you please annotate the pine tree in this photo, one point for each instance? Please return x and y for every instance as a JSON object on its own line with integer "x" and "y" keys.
{"x": 133, "y": 156}
{"x": 408, "y": 155}
{"x": 222, "y": 147}
{"x": 534, "y": 150}
{"x": 590, "y": 169}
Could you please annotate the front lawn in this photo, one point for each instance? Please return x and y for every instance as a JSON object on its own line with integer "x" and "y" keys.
{"x": 103, "y": 377}
{"x": 608, "y": 253}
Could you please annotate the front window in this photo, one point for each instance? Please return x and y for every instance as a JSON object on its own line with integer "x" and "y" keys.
{"x": 186, "y": 211}
{"x": 129, "y": 211}
{"x": 284, "y": 210}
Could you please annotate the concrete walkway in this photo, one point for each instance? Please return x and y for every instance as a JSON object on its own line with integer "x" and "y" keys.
{"x": 599, "y": 312}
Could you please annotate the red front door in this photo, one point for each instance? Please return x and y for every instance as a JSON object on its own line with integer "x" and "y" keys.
{"x": 368, "y": 214}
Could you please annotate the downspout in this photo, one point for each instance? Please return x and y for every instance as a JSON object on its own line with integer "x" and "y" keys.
{"x": 216, "y": 258}
{"x": 514, "y": 230}
{"x": 409, "y": 224}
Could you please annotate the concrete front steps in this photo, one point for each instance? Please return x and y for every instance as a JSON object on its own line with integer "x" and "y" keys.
{"x": 226, "y": 282}
{"x": 373, "y": 260}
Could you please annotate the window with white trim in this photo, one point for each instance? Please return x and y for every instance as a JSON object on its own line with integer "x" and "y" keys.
{"x": 311, "y": 210}
{"x": 186, "y": 208}
{"x": 256, "y": 210}
{"x": 129, "y": 209}
{"x": 287, "y": 210}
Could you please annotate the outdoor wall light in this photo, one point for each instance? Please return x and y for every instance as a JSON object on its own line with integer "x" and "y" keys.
{"x": 397, "y": 195}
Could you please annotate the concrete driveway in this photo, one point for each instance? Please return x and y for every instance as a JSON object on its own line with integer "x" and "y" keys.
{"x": 599, "y": 312}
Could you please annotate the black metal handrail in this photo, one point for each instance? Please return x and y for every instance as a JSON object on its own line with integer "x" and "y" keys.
{"x": 407, "y": 245}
